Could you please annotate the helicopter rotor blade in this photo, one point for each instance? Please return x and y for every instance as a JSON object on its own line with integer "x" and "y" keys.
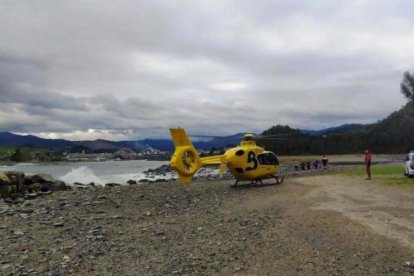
{"x": 208, "y": 136}
{"x": 276, "y": 138}
{"x": 267, "y": 137}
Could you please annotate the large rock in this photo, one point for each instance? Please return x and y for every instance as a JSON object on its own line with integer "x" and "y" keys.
{"x": 4, "y": 179}
{"x": 5, "y": 191}
{"x": 8, "y": 191}
{"x": 57, "y": 185}
{"x": 112, "y": 184}
{"x": 5, "y": 186}
{"x": 39, "y": 178}
{"x": 35, "y": 187}
{"x": 17, "y": 179}
{"x": 160, "y": 170}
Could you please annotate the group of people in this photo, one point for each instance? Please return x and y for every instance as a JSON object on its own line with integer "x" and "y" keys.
{"x": 306, "y": 165}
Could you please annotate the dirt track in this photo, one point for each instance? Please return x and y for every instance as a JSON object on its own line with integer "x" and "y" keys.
{"x": 323, "y": 225}
{"x": 387, "y": 210}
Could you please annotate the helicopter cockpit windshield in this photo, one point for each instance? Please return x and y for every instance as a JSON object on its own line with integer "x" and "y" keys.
{"x": 267, "y": 159}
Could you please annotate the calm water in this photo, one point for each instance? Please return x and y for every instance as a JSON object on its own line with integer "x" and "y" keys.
{"x": 86, "y": 172}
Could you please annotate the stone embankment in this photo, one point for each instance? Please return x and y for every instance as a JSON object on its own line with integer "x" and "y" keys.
{"x": 17, "y": 186}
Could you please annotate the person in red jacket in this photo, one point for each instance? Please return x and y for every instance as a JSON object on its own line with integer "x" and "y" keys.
{"x": 368, "y": 163}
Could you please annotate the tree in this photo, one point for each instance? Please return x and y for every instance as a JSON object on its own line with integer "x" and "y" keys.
{"x": 281, "y": 129}
{"x": 21, "y": 155}
{"x": 407, "y": 86}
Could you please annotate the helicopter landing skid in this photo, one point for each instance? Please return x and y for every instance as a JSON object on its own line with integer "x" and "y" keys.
{"x": 278, "y": 178}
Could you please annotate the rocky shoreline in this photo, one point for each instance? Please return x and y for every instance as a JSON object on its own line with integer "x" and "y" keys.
{"x": 16, "y": 186}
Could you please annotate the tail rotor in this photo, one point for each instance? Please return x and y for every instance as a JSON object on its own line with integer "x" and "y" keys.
{"x": 185, "y": 159}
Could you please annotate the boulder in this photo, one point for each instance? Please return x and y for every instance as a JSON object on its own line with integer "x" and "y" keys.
{"x": 112, "y": 184}
{"x": 39, "y": 178}
{"x": 79, "y": 185}
{"x": 4, "y": 179}
{"x": 131, "y": 182}
{"x": 57, "y": 185}
{"x": 164, "y": 169}
{"x": 35, "y": 187}
{"x": 5, "y": 191}
{"x": 17, "y": 179}
{"x": 9, "y": 191}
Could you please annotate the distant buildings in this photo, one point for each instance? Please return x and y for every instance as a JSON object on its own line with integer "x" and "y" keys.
{"x": 72, "y": 157}
{"x": 121, "y": 154}
{"x": 31, "y": 154}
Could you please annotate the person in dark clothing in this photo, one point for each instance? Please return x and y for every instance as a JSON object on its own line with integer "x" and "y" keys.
{"x": 315, "y": 164}
{"x": 296, "y": 166}
{"x": 368, "y": 164}
{"x": 324, "y": 162}
{"x": 303, "y": 165}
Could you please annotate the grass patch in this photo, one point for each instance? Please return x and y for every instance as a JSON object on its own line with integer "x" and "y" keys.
{"x": 384, "y": 174}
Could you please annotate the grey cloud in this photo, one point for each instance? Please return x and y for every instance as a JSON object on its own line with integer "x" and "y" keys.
{"x": 135, "y": 108}
{"x": 34, "y": 98}
{"x": 139, "y": 67}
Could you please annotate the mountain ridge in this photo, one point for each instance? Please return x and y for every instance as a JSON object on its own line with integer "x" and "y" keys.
{"x": 393, "y": 134}
{"x": 16, "y": 140}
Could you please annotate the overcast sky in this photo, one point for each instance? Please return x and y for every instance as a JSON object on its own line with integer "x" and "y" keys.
{"x": 132, "y": 69}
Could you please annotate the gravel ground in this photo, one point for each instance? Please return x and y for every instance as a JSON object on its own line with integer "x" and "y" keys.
{"x": 203, "y": 229}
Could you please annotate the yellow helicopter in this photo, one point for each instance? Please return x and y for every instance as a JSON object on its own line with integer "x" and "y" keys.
{"x": 246, "y": 162}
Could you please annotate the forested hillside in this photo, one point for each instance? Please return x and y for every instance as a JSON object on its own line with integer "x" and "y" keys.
{"x": 351, "y": 140}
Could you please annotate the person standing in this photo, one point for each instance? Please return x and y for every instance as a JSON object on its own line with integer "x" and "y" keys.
{"x": 303, "y": 165}
{"x": 368, "y": 164}
{"x": 308, "y": 165}
{"x": 324, "y": 162}
{"x": 315, "y": 164}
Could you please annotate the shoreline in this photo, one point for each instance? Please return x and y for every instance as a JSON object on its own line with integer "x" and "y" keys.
{"x": 164, "y": 173}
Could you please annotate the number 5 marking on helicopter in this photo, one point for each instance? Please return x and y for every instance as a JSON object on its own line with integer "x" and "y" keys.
{"x": 251, "y": 157}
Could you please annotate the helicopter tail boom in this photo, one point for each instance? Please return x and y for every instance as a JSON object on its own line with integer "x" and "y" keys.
{"x": 215, "y": 160}
{"x": 212, "y": 160}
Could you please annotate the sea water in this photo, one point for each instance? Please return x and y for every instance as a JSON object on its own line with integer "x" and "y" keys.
{"x": 97, "y": 172}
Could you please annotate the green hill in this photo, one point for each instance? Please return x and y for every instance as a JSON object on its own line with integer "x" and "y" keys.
{"x": 394, "y": 134}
